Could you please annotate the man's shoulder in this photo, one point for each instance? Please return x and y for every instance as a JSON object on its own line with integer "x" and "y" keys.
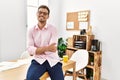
{"x": 51, "y": 26}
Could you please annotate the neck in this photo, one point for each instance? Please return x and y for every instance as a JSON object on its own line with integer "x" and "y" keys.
{"x": 41, "y": 24}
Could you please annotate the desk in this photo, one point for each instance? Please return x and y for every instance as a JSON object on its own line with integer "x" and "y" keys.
{"x": 19, "y": 73}
{"x": 70, "y": 64}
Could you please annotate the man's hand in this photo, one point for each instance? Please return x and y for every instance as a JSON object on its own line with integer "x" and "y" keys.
{"x": 52, "y": 47}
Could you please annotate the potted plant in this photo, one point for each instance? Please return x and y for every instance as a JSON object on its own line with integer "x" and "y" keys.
{"x": 61, "y": 47}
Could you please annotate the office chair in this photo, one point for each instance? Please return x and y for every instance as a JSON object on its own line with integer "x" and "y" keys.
{"x": 81, "y": 58}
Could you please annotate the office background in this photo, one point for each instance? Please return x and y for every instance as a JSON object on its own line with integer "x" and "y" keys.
{"x": 104, "y": 19}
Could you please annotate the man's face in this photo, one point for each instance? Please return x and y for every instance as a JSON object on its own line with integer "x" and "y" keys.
{"x": 42, "y": 15}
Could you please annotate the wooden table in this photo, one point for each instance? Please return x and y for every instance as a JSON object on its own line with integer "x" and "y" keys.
{"x": 19, "y": 73}
{"x": 68, "y": 65}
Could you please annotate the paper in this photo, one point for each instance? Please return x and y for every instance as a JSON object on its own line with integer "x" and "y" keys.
{"x": 83, "y": 16}
{"x": 83, "y": 25}
{"x": 70, "y": 25}
{"x": 10, "y": 65}
{"x": 5, "y": 63}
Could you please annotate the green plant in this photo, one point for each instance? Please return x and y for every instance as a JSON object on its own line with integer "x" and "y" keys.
{"x": 61, "y": 47}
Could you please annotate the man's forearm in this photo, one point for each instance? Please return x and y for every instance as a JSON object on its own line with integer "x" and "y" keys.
{"x": 41, "y": 50}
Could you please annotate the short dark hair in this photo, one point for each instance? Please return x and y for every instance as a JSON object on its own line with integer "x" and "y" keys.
{"x": 46, "y": 7}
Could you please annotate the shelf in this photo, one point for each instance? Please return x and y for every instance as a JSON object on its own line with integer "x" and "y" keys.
{"x": 94, "y": 65}
{"x": 72, "y": 48}
{"x": 94, "y": 52}
{"x": 89, "y": 66}
{"x": 85, "y": 39}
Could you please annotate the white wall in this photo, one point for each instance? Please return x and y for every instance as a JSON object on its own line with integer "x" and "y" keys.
{"x": 12, "y": 28}
{"x": 55, "y": 13}
{"x": 105, "y": 21}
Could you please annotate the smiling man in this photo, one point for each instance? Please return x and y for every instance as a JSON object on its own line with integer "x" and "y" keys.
{"x": 41, "y": 43}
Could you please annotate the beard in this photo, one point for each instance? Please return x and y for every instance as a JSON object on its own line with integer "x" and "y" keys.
{"x": 41, "y": 19}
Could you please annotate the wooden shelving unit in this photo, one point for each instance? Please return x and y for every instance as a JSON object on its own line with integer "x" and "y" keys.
{"x": 94, "y": 65}
{"x": 86, "y": 38}
{"x": 93, "y": 69}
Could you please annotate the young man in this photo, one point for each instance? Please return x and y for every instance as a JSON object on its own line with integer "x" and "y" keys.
{"x": 41, "y": 43}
